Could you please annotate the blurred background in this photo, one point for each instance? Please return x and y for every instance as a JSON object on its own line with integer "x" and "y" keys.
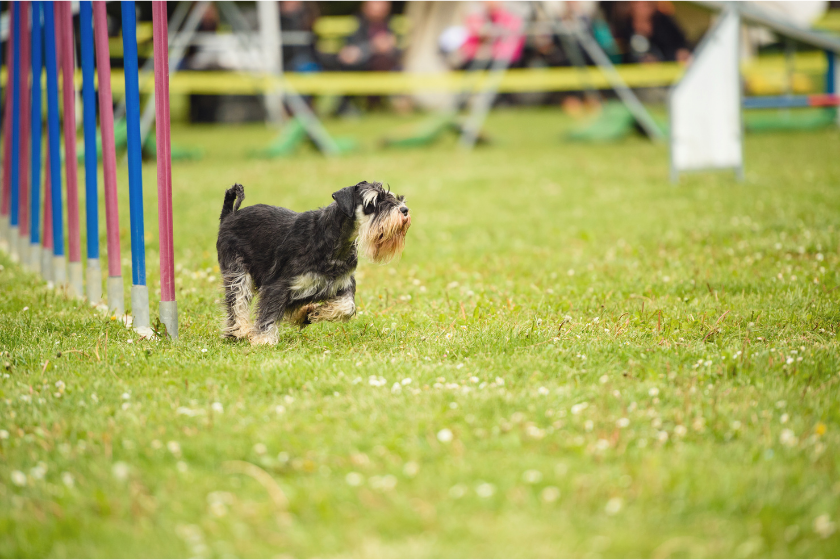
{"x": 340, "y": 56}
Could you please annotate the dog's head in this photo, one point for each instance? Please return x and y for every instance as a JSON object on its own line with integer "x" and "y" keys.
{"x": 382, "y": 219}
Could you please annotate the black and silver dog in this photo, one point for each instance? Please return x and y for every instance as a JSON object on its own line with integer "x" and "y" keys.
{"x": 301, "y": 265}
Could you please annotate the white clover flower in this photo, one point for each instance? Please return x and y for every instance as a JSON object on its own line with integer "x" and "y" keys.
{"x": 550, "y": 494}
{"x": 410, "y": 469}
{"x": 485, "y": 490}
{"x": 653, "y": 391}
{"x": 279, "y": 409}
{"x": 500, "y": 381}
{"x": 260, "y": 448}
{"x": 445, "y": 435}
{"x": 532, "y": 476}
{"x": 67, "y": 479}
{"x": 824, "y": 527}
{"x": 18, "y": 478}
{"x": 396, "y": 388}
{"x": 622, "y": 422}
{"x": 680, "y": 430}
{"x": 120, "y": 470}
{"x": 603, "y": 379}
{"x": 784, "y": 418}
{"x": 788, "y": 438}
{"x": 580, "y": 407}
{"x": 174, "y": 447}
{"x": 4, "y": 434}
{"x": 543, "y": 391}
{"x": 182, "y": 466}
{"x": 39, "y": 471}
{"x": 662, "y": 436}
{"x": 458, "y": 491}
{"x": 354, "y": 479}
{"x": 613, "y": 506}
{"x": 406, "y": 381}
{"x": 218, "y": 407}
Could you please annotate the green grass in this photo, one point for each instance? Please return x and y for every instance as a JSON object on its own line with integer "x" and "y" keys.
{"x": 697, "y": 323}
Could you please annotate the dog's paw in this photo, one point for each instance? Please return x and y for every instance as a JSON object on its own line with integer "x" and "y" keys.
{"x": 264, "y": 338}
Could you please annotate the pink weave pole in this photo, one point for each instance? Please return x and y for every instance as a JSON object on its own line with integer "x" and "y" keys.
{"x": 5, "y": 194}
{"x": 64, "y": 32}
{"x": 109, "y": 158}
{"x": 168, "y": 311}
{"x": 25, "y": 126}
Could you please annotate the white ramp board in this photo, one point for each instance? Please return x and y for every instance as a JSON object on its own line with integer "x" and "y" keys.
{"x": 705, "y": 107}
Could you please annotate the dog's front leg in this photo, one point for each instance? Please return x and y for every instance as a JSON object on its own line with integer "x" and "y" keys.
{"x": 340, "y": 308}
{"x": 271, "y": 305}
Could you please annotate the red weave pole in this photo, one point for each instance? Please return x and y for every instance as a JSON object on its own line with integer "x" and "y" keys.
{"x": 64, "y": 32}
{"x": 106, "y": 120}
{"x": 25, "y": 123}
{"x": 5, "y": 195}
{"x": 164, "y": 151}
{"x": 47, "y": 238}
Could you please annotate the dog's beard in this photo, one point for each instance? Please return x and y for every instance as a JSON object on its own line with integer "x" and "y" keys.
{"x": 382, "y": 238}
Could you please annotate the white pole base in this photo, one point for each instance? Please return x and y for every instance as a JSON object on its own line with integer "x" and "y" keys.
{"x": 46, "y": 265}
{"x": 169, "y": 317}
{"x": 140, "y": 308}
{"x": 76, "y": 282}
{"x": 59, "y": 272}
{"x": 13, "y": 243}
{"x": 116, "y": 296}
{"x": 94, "y": 281}
{"x": 23, "y": 251}
{"x": 4, "y": 233}
{"x": 35, "y": 258}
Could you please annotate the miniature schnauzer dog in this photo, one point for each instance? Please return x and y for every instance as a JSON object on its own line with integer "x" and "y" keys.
{"x": 301, "y": 265}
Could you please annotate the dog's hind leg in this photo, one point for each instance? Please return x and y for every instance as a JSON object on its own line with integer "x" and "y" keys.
{"x": 271, "y": 307}
{"x": 339, "y": 308}
{"x": 239, "y": 292}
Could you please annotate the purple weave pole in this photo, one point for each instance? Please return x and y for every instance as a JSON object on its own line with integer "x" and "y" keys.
{"x": 64, "y": 22}
{"x": 168, "y": 309}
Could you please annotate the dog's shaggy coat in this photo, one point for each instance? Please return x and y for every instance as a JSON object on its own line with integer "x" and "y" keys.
{"x": 300, "y": 265}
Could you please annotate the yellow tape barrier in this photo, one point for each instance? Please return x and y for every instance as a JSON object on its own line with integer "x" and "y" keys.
{"x": 769, "y": 72}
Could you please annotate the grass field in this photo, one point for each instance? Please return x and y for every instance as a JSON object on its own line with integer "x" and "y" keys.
{"x": 573, "y": 358}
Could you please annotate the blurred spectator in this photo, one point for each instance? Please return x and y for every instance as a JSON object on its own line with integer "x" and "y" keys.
{"x": 296, "y": 20}
{"x": 495, "y": 29}
{"x": 373, "y": 46}
{"x": 648, "y": 32}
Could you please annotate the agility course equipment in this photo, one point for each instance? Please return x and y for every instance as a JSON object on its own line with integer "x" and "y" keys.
{"x": 46, "y": 40}
{"x": 705, "y": 107}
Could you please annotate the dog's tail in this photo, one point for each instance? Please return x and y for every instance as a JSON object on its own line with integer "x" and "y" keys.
{"x": 235, "y": 193}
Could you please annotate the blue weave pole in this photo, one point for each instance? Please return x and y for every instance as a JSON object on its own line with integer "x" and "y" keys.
{"x": 139, "y": 290}
{"x": 54, "y": 138}
{"x": 14, "y": 210}
{"x": 94, "y": 272}
{"x": 35, "y": 137}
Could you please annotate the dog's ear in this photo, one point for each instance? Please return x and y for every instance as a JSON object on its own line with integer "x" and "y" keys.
{"x": 346, "y": 200}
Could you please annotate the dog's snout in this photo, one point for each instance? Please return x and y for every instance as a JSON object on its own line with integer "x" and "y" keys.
{"x": 404, "y": 210}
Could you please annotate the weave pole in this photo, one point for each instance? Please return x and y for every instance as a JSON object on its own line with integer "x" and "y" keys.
{"x": 64, "y": 20}
{"x": 94, "y": 272}
{"x": 139, "y": 290}
{"x": 59, "y": 272}
{"x": 25, "y": 124}
{"x": 168, "y": 307}
{"x": 35, "y": 149}
{"x": 116, "y": 295}
{"x": 14, "y": 193}
{"x": 47, "y": 239}
{"x": 5, "y": 192}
